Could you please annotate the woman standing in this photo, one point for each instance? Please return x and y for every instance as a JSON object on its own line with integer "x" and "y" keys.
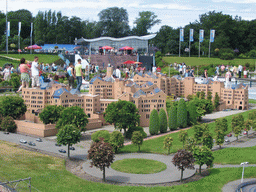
{"x": 24, "y": 70}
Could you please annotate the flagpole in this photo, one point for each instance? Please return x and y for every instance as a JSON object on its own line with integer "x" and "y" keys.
{"x": 189, "y": 48}
{"x": 6, "y": 31}
{"x": 199, "y": 48}
{"x": 209, "y": 48}
{"x": 179, "y": 47}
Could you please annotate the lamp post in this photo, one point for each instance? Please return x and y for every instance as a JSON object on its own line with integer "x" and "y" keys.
{"x": 6, "y": 30}
{"x": 243, "y": 164}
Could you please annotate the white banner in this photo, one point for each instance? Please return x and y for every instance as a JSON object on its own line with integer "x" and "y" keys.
{"x": 19, "y": 28}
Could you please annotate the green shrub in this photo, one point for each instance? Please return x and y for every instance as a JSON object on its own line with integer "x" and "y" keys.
{"x": 162, "y": 121}
{"x": 192, "y": 115}
{"x": 116, "y": 140}
{"x": 128, "y": 134}
{"x": 154, "y": 122}
{"x": 182, "y": 114}
{"x": 8, "y": 124}
{"x": 101, "y": 134}
{"x": 137, "y": 139}
{"x": 252, "y": 53}
{"x": 227, "y": 56}
{"x": 173, "y": 118}
{"x": 242, "y": 56}
{"x": 15, "y": 80}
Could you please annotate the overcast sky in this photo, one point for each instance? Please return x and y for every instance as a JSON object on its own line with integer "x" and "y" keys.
{"x": 175, "y": 13}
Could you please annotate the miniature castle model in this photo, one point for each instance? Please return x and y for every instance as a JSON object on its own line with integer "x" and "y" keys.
{"x": 147, "y": 91}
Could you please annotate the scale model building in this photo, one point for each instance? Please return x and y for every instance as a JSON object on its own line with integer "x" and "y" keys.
{"x": 147, "y": 91}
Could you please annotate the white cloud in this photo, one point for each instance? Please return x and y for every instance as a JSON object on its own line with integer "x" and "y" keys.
{"x": 235, "y": 1}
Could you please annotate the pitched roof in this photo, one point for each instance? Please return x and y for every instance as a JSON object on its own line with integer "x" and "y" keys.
{"x": 74, "y": 91}
{"x": 94, "y": 78}
{"x": 139, "y": 93}
{"x": 59, "y": 92}
{"x": 156, "y": 90}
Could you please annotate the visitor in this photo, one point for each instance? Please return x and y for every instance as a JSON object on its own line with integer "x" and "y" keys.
{"x": 245, "y": 72}
{"x": 153, "y": 69}
{"x": 180, "y": 69}
{"x": 222, "y": 69}
{"x": 158, "y": 69}
{"x": 217, "y": 70}
{"x": 78, "y": 74}
{"x": 192, "y": 72}
{"x": 240, "y": 69}
{"x": 25, "y": 79}
{"x": 228, "y": 79}
{"x": 35, "y": 73}
{"x": 205, "y": 75}
{"x": 7, "y": 73}
{"x": 71, "y": 75}
{"x": 187, "y": 74}
{"x": 118, "y": 73}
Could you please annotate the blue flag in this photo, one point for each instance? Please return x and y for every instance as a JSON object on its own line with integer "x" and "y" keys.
{"x": 201, "y": 35}
{"x": 31, "y": 32}
{"x": 181, "y": 34}
{"x": 8, "y": 29}
{"x": 191, "y": 35}
{"x": 19, "y": 28}
{"x": 212, "y": 35}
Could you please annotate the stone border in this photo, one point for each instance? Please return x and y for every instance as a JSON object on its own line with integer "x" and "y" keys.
{"x": 240, "y": 186}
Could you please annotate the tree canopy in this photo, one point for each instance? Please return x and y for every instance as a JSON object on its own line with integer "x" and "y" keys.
{"x": 123, "y": 114}
{"x": 51, "y": 114}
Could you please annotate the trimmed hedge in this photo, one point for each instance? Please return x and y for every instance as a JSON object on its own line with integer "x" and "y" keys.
{"x": 192, "y": 115}
{"x": 173, "y": 118}
{"x": 130, "y": 131}
{"x": 162, "y": 121}
{"x": 182, "y": 114}
{"x": 154, "y": 122}
{"x": 8, "y": 124}
{"x": 103, "y": 133}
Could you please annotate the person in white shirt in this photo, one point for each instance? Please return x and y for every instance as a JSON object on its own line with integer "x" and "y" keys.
{"x": 7, "y": 73}
{"x": 118, "y": 72}
{"x": 240, "y": 69}
{"x": 35, "y": 73}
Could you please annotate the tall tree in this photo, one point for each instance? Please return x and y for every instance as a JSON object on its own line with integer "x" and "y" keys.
{"x": 114, "y": 22}
{"x": 145, "y": 22}
{"x": 182, "y": 114}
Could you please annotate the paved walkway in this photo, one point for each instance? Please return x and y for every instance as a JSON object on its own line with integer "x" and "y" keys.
{"x": 169, "y": 175}
{"x": 231, "y": 186}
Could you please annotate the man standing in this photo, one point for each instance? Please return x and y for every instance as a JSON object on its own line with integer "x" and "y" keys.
{"x": 35, "y": 73}
{"x": 79, "y": 74}
{"x": 118, "y": 73}
{"x": 240, "y": 69}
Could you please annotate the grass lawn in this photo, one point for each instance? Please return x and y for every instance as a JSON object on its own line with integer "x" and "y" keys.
{"x": 235, "y": 155}
{"x": 30, "y": 57}
{"x": 156, "y": 145}
{"x": 49, "y": 174}
{"x": 138, "y": 166}
{"x": 195, "y": 61}
{"x": 4, "y": 60}
{"x": 252, "y": 101}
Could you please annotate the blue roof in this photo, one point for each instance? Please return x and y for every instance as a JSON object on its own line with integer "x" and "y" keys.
{"x": 74, "y": 91}
{"x": 45, "y": 85}
{"x": 109, "y": 79}
{"x": 94, "y": 78}
{"x": 156, "y": 90}
{"x": 140, "y": 74}
{"x": 59, "y": 92}
{"x": 149, "y": 83}
{"x": 139, "y": 93}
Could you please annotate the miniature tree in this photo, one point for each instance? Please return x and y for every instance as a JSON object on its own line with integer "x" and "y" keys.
{"x": 123, "y": 114}
{"x": 182, "y": 114}
{"x": 101, "y": 134}
{"x": 8, "y": 124}
{"x": 198, "y": 133}
{"x": 237, "y": 124}
{"x": 220, "y": 129}
{"x": 183, "y": 136}
{"x": 73, "y": 115}
{"x": 192, "y": 114}
{"x": 209, "y": 95}
{"x": 51, "y": 114}
{"x": 203, "y": 155}
{"x": 137, "y": 139}
{"x": 247, "y": 125}
{"x": 190, "y": 143}
{"x": 173, "y": 118}
{"x": 216, "y": 101}
{"x": 154, "y": 122}
{"x": 198, "y": 94}
{"x": 162, "y": 121}
{"x": 207, "y": 139}
{"x": 183, "y": 160}
{"x": 116, "y": 140}
{"x": 202, "y": 95}
{"x": 12, "y": 106}
{"x": 168, "y": 143}
{"x": 102, "y": 156}
{"x": 68, "y": 135}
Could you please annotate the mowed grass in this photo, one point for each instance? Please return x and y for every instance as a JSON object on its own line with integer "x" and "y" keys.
{"x": 30, "y": 57}
{"x": 49, "y": 174}
{"x": 138, "y": 166}
{"x": 196, "y": 61}
{"x": 253, "y": 101}
{"x": 235, "y": 155}
{"x": 156, "y": 145}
